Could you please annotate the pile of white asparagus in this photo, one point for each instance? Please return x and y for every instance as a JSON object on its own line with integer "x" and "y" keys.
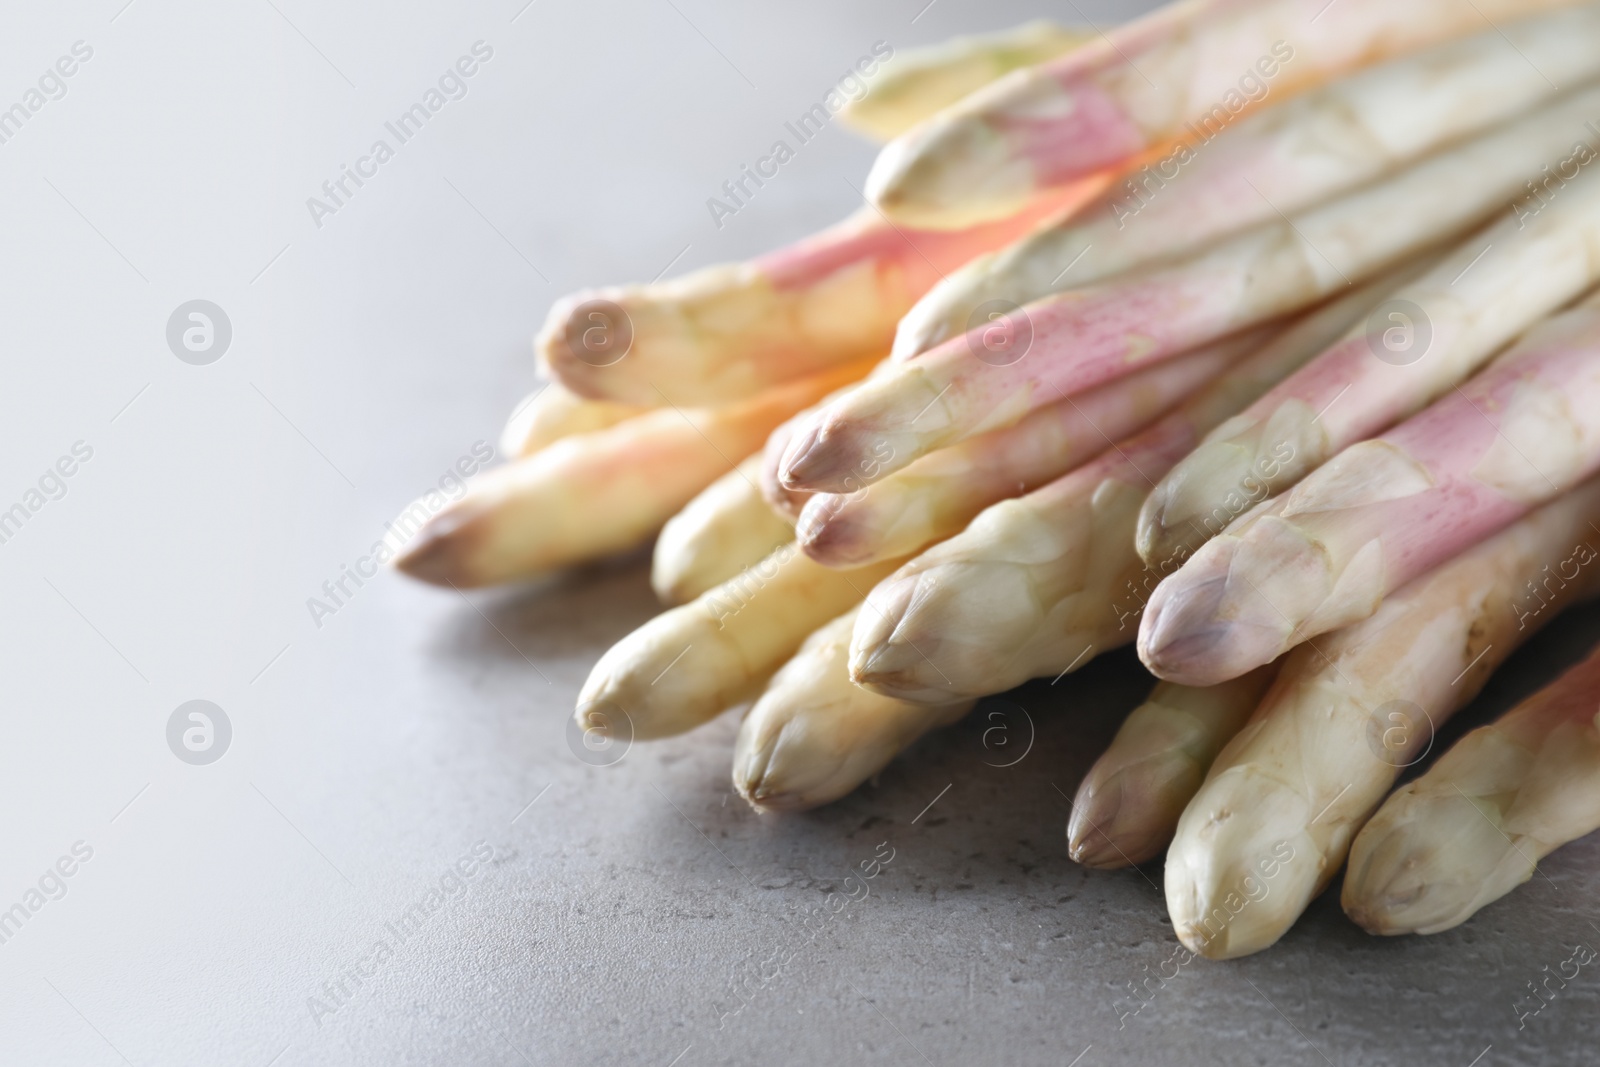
{"x": 1259, "y": 331}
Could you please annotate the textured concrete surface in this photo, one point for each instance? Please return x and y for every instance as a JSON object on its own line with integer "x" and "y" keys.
{"x": 415, "y": 742}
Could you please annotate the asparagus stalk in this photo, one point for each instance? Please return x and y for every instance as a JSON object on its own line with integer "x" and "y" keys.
{"x": 1473, "y": 827}
{"x": 719, "y": 533}
{"x": 1435, "y": 333}
{"x": 1272, "y": 823}
{"x": 1183, "y": 73}
{"x": 1038, "y": 585}
{"x": 1286, "y": 158}
{"x": 1129, "y": 803}
{"x": 553, "y": 412}
{"x": 1386, "y": 510}
{"x": 1089, "y": 336}
{"x": 812, "y": 737}
{"x": 689, "y": 664}
{"x": 918, "y": 82}
{"x": 593, "y": 495}
{"x": 730, "y": 331}
{"x": 940, "y": 493}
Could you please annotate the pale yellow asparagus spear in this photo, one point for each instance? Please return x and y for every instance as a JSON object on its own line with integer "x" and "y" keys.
{"x": 1472, "y": 829}
{"x": 718, "y": 534}
{"x": 1129, "y": 803}
{"x": 593, "y": 495}
{"x": 915, "y": 83}
{"x": 812, "y": 737}
{"x": 1272, "y": 823}
{"x": 552, "y": 412}
{"x": 687, "y": 665}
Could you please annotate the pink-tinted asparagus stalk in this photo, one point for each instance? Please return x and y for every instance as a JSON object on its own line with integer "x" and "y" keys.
{"x": 1386, "y": 510}
{"x": 1184, "y": 73}
{"x": 730, "y": 331}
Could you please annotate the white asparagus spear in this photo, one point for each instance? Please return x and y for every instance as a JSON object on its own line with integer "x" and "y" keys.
{"x": 1284, "y": 158}
{"x": 1184, "y": 72}
{"x": 993, "y": 376}
{"x": 1434, "y": 333}
{"x": 1272, "y": 823}
{"x": 1038, "y": 585}
{"x": 1129, "y": 803}
{"x": 915, "y": 83}
{"x": 1474, "y": 826}
{"x": 812, "y": 737}
{"x": 690, "y": 663}
{"x": 719, "y": 533}
{"x": 589, "y": 496}
{"x": 1385, "y": 510}
{"x": 553, "y": 412}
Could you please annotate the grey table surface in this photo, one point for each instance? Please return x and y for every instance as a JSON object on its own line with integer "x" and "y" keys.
{"x": 635, "y": 913}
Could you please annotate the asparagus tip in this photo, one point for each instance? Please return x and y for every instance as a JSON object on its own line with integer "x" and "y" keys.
{"x": 822, "y": 458}
{"x": 894, "y": 668}
{"x": 441, "y": 550}
{"x": 1188, "y": 634}
{"x": 828, "y": 535}
{"x": 1087, "y": 842}
{"x": 804, "y": 459}
{"x": 777, "y": 767}
{"x": 1426, "y": 863}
